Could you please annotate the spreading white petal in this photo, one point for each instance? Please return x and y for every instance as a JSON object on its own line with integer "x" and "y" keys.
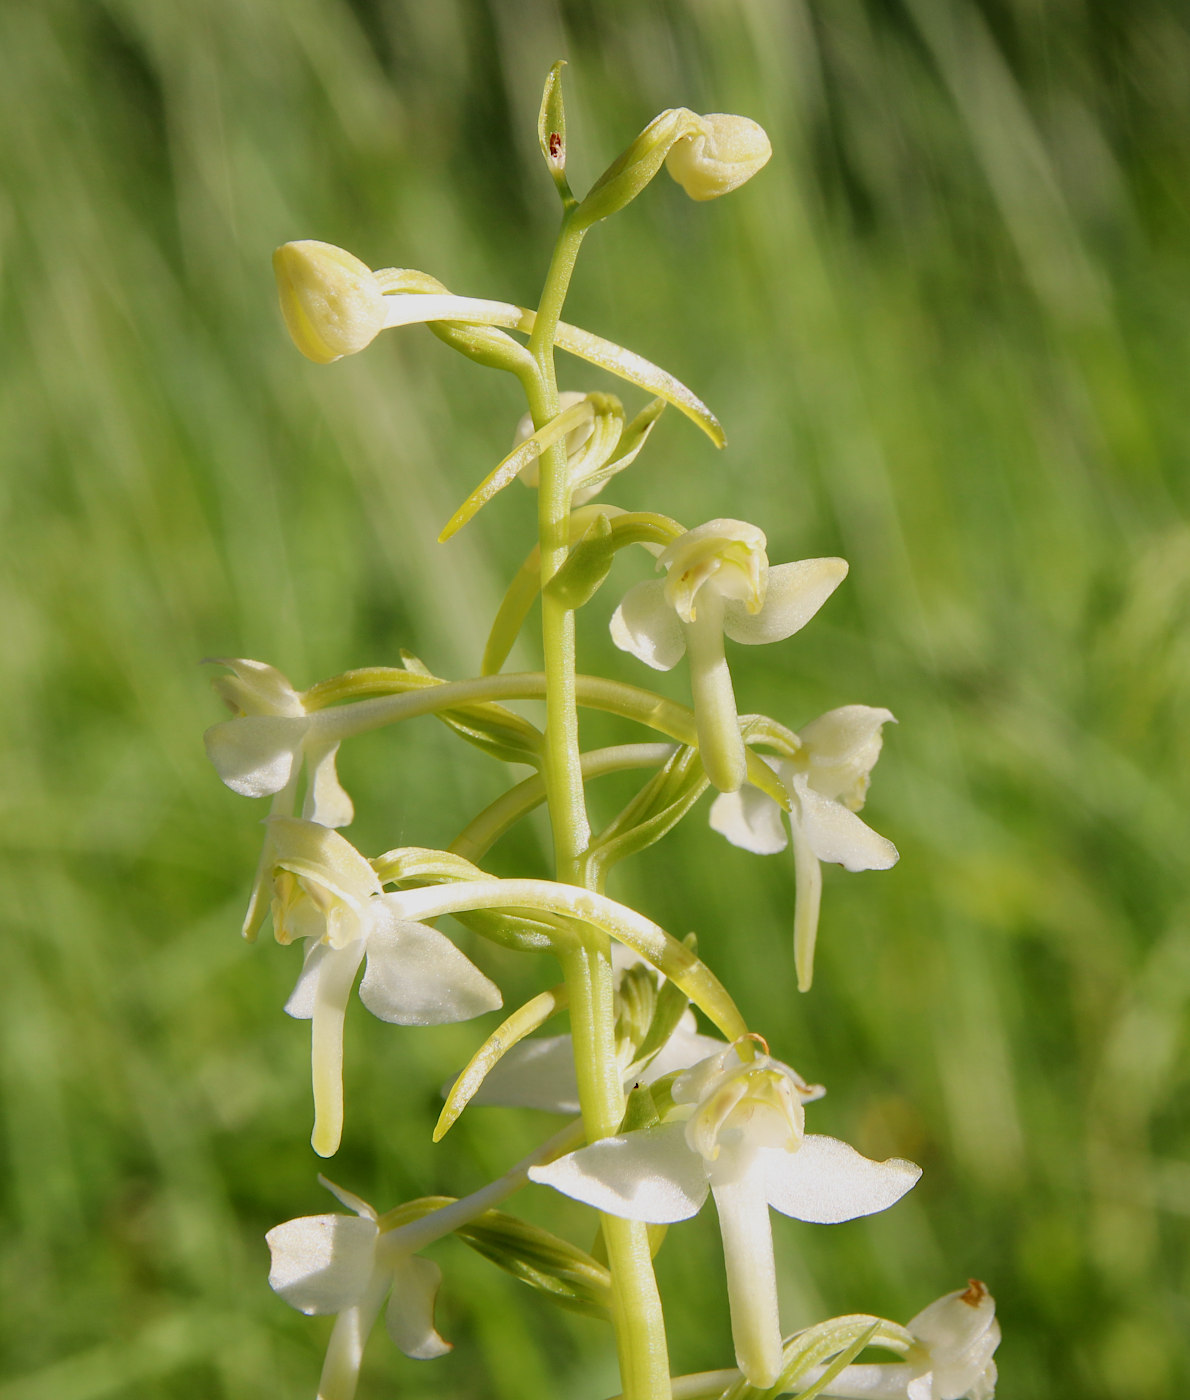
{"x": 827, "y": 1181}
{"x": 645, "y": 625}
{"x": 749, "y": 819}
{"x": 410, "y": 1315}
{"x": 794, "y": 594}
{"x": 321, "y": 1263}
{"x": 256, "y": 755}
{"x": 417, "y": 977}
{"x": 836, "y": 835}
{"x": 647, "y": 1175}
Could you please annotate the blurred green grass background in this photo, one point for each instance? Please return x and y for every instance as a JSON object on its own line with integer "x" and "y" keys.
{"x": 947, "y": 332}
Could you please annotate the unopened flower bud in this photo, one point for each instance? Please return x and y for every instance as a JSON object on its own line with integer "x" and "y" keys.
{"x": 718, "y": 157}
{"x": 332, "y": 303}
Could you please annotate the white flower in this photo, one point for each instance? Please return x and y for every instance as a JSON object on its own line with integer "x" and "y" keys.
{"x": 737, "y": 1132}
{"x": 719, "y": 581}
{"x": 827, "y": 782}
{"x": 262, "y": 750}
{"x": 345, "y": 1265}
{"x": 327, "y": 893}
{"x": 952, "y": 1359}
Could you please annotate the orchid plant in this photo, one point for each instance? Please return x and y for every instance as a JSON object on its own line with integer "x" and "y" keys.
{"x": 663, "y": 1114}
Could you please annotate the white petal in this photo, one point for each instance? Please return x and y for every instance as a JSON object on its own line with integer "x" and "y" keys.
{"x": 720, "y": 744}
{"x": 417, "y": 977}
{"x": 255, "y": 755}
{"x": 536, "y": 1073}
{"x": 827, "y": 1181}
{"x": 807, "y": 901}
{"x": 684, "y": 1048}
{"x": 872, "y": 1380}
{"x": 336, "y": 974}
{"x": 837, "y": 835}
{"x": 345, "y": 1350}
{"x": 326, "y": 801}
{"x": 321, "y": 1263}
{"x": 301, "y": 1000}
{"x": 749, "y": 819}
{"x": 648, "y": 627}
{"x": 795, "y": 593}
{"x": 410, "y": 1315}
{"x": 648, "y": 1175}
{"x": 751, "y": 1277}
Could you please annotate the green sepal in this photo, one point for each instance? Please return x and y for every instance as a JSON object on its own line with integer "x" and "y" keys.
{"x": 631, "y": 171}
{"x": 640, "y": 1111}
{"x": 631, "y": 439}
{"x": 551, "y": 130}
{"x": 491, "y": 727}
{"x": 518, "y": 932}
{"x": 486, "y": 345}
{"x": 523, "y": 1021}
{"x": 506, "y": 471}
{"x": 834, "y": 1343}
{"x": 668, "y": 1009}
{"x": 587, "y": 565}
{"x": 627, "y": 527}
{"x": 423, "y": 865}
{"x": 511, "y": 614}
{"x": 567, "y": 1275}
{"x": 656, "y": 809}
{"x": 636, "y": 1001}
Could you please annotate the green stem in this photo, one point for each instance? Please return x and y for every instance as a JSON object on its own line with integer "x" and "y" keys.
{"x": 483, "y": 831}
{"x": 636, "y": 1304}
{"x": 563, "y": 777}
{"x": 636, "y": 1309}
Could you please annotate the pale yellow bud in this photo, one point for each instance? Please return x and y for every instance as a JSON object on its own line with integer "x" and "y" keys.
{"x": 332, "y": 302}
{"x": 719, "y": 157}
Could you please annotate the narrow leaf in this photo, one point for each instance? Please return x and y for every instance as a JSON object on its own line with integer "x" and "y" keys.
{"x": 637, "y": 370}
{"x": 523, "y": 1021}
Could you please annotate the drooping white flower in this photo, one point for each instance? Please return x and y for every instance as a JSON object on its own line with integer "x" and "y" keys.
{"x": 955, "y": 1339}
{"x": 263, "y": 749}
{"x": 327, "y": 893}
{"x": 346, "y": 1265}
{"x": 737, "y": 1131}
{"x": 719, "y": 582}
{"x": 827, "y": 782}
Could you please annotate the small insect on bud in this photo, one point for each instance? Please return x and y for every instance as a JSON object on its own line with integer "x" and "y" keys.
{"x": 719, "y": 157}
{"x": 332, "y": 303}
